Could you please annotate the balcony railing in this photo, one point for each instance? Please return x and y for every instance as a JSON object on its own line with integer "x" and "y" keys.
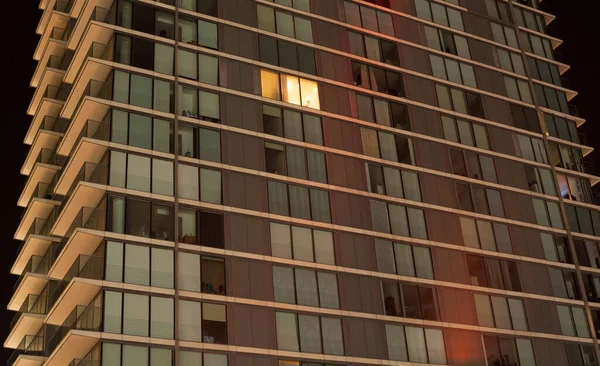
{"x": 80, "y": 362}
{"x": 91, "y": 173}
{"x": 55, "y": 62}
{"x": 42, "y": 191}
{"x": 49, "y": 156}
{"x": 63, "y": 6}
{"x": 85, "y": 266}
{"x": 88, "y": 218}
{"x": 104, "y": 15}
{"x": 30, "y": 345}
{"x": 81, "y": 318}
{"x": 55, "y": 124}
{"x": 57, "y": 33}
{"x": 25, "y": 308}
{"x": 69, "y": 29}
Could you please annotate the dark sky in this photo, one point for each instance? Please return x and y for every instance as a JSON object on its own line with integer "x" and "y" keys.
{"x": 573, "y": 25}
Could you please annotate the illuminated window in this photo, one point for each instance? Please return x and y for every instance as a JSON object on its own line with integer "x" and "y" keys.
{"x": 293, "y": 89}
{"x": 310, "y": 94}
{"x": 270, "y": 85}
{"x": 290, "y": 89}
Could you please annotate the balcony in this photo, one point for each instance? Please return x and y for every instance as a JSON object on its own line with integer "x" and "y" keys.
{"x": 38, "y": 184}
{"x": 36, "y": 243}
{"x": 78, "y": 287}
{"x": 43, "y": 151}
{"x": 38, "y": 208}
{"x": 82, "y": 240}
{"x": 98, "y": 42}
{"x": 54, "y": 30}
{"x": 49, "y": 107}
{"x": 90, "y": 147}
{"x": 50, "y": 6}
{"x": 29, "y": 319}
{"x": 29, "y": 352}
{"x": 88, "y": 84}
{"x": 51, "y": 58}
{"x": 91, "y": 10}
{"x": 87, "y": 115}
{"x": 72, "y": 340}
{"x": 32, "y": 281}
{"x": 51, "y": 78}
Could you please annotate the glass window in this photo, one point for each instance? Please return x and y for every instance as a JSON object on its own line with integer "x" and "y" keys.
{"x": 207, "y": 34}
{"x": 135, "y": 315}
{"x": 190, "y": 327}
{"x": 161, "y": 319}
{"x": 396, "y": 342}
{"x": 287, "y": 336}
{"x": 333, "y": 343}
{"x": 162, "y": 177}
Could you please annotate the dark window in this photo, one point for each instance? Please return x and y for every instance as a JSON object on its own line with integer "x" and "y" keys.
{"x": 474, "y": 106}
{"x": 211, "y": 229}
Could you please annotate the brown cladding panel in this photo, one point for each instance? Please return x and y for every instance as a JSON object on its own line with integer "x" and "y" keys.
{"x": 360, "y": 212}
{"x": 477, "y": 25}
{"x": 252, "y": 115}
{"x": 263, "y": 328}
{"x": 419, "y": 89}
{"x": 340, "y": 208}
{"x": 490, "y": 81}
{"x": 534, "y": 278}
{"x": 248, "y": 74}
{"x": 329, "y": 9}
{"x": 325, "y": 65}
{"x": 463, "y": 348}
{"x": 258, "y": 236}
{"x": 365, "y": 253}
{"x": 370, "y": 295}
{"x": 482, "y": 52}
{"x": 433, "y": 219}
{"x": 456, "y": 306}
{"x": 450, "y": 265}
{"x": 497, "y": 110}
{"x": 335, "y": 99}
{"x": 336, "y": 176}
{"x": 542, "y": 316}
{"x": 501, "y": 140}
{"x": 475, "y": 6}
{"x": 231, "y": 110}
{"x": 345, "y": 250}
{"x": 261, "y": 280}
{"x": 350, "y": 297}
{"x": 239, "y": 11}
{"x": 452, "y": 228}
{"x": 375, "y": 339}
{"x": 238, "y": 278}
{"x": 239, "y": 321}
{"x": 415, "y": 59}
{"x": 354, "y": 337}
{"x": 559, "y": 356}
{"x": 328, "y": 34}
{"x": 408, "y": 30}
{"x": 404, "y": 6}
{"x": 248, "y": 44}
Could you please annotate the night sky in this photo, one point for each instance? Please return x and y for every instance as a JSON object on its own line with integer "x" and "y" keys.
{"x": 574, "y": 25}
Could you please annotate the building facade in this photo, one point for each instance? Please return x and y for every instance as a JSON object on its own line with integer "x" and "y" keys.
{"x": 303, "y": 183}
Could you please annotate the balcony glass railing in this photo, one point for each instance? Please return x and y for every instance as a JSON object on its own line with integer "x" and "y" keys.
{"x": 63, "y": 6}
{"x": 81, "y": 318}
{"x": 85, "y": 266}
{"x": 42, "y": 191}
{"x": 57, "y": 33}
{"x": 32, "y": 345}
{"x": 55, "y": 124}
{"x": 88, "y": 218}
{"x": 91, "y": 173}
{"x": 49, "y": 156}
{"x": 25, "y": 308}
{"x": 55, "y": 62}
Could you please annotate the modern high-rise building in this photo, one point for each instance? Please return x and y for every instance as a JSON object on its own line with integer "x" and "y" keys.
{"x": 304, "y": 183}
